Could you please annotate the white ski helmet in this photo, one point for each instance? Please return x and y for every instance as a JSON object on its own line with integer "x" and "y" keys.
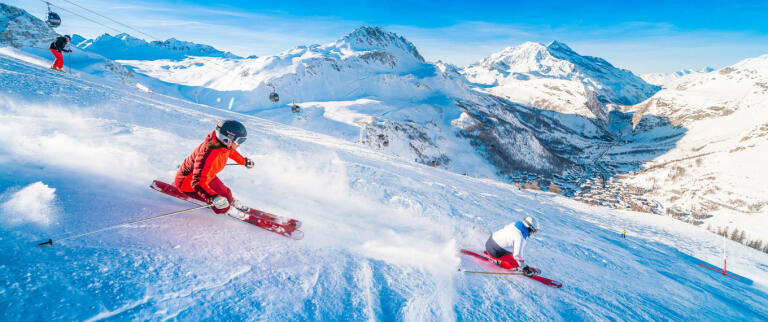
{"x": 532, "y": 224}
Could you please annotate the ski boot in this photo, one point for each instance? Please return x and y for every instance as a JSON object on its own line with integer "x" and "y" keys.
{"x": 235, "y": 211}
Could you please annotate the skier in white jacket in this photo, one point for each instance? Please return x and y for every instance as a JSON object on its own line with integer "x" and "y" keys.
{"x": 506, "y": 245}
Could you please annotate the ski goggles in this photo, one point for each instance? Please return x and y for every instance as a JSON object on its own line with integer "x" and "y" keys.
{"x": 230, "y": 139}
{"x": 237, "y": 141}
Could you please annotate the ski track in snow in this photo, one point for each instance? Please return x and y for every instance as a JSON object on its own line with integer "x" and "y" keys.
{"x": 381, "y": 235}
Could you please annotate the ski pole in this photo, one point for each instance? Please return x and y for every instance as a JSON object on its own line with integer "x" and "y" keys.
{"x": 488, "y": 273}
{"x": 178, "y": 166}
{"x": 69, "y": 62}
{"x": 481, "y": 230}
{"x": 50, "y": 240}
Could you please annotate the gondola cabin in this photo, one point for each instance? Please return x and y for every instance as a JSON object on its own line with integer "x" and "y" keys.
{"x": 53, "y": 20}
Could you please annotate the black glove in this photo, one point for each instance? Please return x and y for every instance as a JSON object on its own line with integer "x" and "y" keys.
{"x": 249, "y": 163}
{"x": 67, "y": 51}
{"x": 527, "y": 271}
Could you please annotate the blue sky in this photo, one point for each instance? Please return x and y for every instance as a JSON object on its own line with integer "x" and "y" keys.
{"x": 643, "y": 36}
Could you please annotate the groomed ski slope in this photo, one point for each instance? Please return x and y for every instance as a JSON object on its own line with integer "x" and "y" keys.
{"x": 381, "y": 235}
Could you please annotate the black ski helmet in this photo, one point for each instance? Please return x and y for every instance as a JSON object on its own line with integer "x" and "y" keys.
{"x": 231, "y": 131}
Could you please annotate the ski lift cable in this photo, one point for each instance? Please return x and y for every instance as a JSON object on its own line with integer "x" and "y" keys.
{"x": 76, "y": 14}
{"x": 113, "y": 20}
{"x": 53, "y": 20}
{"x": 218, "y": 68}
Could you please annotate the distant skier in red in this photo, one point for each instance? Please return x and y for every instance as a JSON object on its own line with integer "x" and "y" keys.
{"x": 506, "y": 245}
{"x": 57, "y": 47}
{"x": 197, "y": 174}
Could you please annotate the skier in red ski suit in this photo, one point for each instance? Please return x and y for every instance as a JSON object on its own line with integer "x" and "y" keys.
{"x": 197, "y": 174}
{"x": 507, "y": 244}
{"x": 57, "y": 46}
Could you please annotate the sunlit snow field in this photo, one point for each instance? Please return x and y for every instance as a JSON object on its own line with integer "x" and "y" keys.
{"x": 381, "y": 235}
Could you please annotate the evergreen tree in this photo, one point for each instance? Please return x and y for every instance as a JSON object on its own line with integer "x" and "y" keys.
{"x": 734, "y": 234}
{"x": 741, "y": 237}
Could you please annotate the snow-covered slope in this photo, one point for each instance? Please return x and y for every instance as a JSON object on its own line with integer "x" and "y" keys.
{"x": 554, "y": 77}
{"x": 124, "y": 46}
{"x": 714, "y": 168}
{"x": 382, "y": 235}
{"x": 664, "y": 79}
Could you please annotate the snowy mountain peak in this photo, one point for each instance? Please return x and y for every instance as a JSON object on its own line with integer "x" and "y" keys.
{"x": 696, "y": 97}
{"x": 368, "y": 38}
{"x": 556, "y": 45}
{"x": 126, "y": 47}
{"x": 555, "y": 60}
{"x": 517, "y": 59}
{"x": 555, "y": 77}
{"x": 526, "y": 47}
{"x": 174, "y": 44}
{"x": 124, "y": 37}
{"x": 759, "y": 64}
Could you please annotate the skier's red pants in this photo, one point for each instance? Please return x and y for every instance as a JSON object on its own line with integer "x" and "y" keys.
{"x": 220, "y": 188}
{"x": 59, "y": 62}
{"x": 506, "y": 261}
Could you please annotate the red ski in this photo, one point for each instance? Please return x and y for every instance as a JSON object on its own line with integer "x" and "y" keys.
{"x": 538, "y": 278}
{"x": 276, "y": 224}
